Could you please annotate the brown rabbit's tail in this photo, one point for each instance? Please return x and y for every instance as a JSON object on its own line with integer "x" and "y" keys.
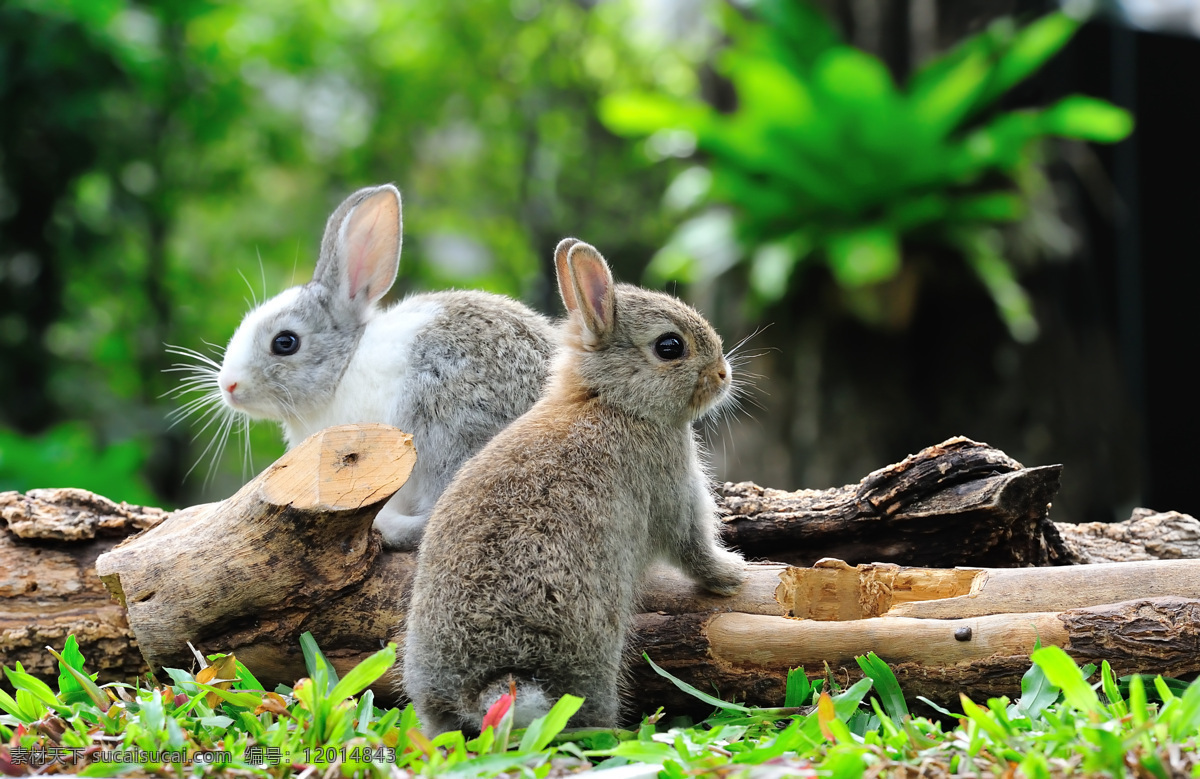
{"x": 530, "y": 702}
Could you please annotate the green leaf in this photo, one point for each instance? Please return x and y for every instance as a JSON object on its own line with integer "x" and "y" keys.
{"x": 643, "y": 113}
{"x": 989, "y": 207}
{"x": 71, "y": 658}
{"x": 984, "y": 718}
{"x": 152, "y": 714}
{"x": 84, "y": 687}
{"x": 543, "y": 729}
{"x": 690, "y": 690}
{"x": 1031, "y": 47}
{"x": 1186, "y": 722}
{"x": 845, "y": 704}
{"x": 317, "y": 664}
{"x": 798, "y": 691}
{"x": 364, "y": 674}
{"x": 939, "y": 709}
{"x": 1139, "y": 707}
{"x": 886, "y": 686}
{"x": 1108, "y": 683}
{"x": 246, "y": 700}
{"x": 767, "y": 91}
{"x": 1037, "y": 692}
{"x": 247, "y": 680}
{"x": 35, "y": 687}
{"x": 853, "y": 77}
{"x": 865, "y": 256}
{"x": 492, "y": 765}
{"x": 8, "y": 704}
{"x": 1061, "y": 670}
{"x": 1087, "y": 119}
{"x": 944, "y": 100}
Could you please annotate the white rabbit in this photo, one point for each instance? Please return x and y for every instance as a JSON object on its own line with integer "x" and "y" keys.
{"x": 451, "y": 368}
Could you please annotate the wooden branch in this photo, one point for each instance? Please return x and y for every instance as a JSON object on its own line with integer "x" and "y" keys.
{"x": 747, "y": 656}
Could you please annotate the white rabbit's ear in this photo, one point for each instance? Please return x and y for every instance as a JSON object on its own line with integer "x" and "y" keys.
{"x": 592, "y": 286}
{"x": 565, "y": 287}
{"x": 360, "y": 253}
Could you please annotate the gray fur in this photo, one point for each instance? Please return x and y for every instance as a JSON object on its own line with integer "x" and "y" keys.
{"x": 531, "y": 558}
{"x": 451, "y": 368}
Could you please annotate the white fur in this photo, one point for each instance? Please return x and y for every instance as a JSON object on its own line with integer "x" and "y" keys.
{"x": 381, "y": 360}
{"x": 255, "y": 402}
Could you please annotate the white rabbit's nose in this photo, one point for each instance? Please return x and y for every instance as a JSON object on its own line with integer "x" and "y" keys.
{"x": 226, "y": 382}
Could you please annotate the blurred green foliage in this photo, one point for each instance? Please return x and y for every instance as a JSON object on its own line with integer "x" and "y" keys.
{"x": 67, "y": 456}
{"x": 153, "y": 151}
{"x": 825, "y": 157}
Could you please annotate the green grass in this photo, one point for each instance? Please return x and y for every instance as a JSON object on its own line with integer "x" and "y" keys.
{"x": 221, "y": 721}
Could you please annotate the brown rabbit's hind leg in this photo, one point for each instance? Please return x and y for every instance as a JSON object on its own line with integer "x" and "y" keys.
{"x": 600, "y": 689}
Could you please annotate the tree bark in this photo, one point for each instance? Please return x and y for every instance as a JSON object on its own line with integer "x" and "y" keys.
{"x": 293, "y": 551}
{"x": 957, "y": 503}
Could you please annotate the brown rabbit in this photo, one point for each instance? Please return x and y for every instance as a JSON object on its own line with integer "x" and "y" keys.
{"x": 531, "y": 558}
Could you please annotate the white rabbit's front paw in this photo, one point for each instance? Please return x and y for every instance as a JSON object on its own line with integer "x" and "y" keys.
{"x": 401, "y": 532}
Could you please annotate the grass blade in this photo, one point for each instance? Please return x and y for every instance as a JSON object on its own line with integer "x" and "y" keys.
{"x": 886, "y": 686}
{"x": 690, "y": 690}
{"x": 543, "y": 729}
{"x": 364, "y": 674}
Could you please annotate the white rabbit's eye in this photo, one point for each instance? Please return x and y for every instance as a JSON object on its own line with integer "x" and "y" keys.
{"x": 669, "y": 346}
{"x": 285, "y": 343}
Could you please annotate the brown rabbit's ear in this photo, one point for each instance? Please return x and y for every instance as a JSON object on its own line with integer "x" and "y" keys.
{"x": 360, "y": 253}
{"x": 592, "y": 285}
{"x": 565, "y": 285}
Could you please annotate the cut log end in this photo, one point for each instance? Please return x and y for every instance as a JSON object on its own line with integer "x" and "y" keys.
{"x": 340, "y": 469}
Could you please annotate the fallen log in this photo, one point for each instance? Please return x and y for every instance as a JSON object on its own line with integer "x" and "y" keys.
{"x": 1147, "y": 535}
{"x": 957, "y": 503}
{"x": 293, "y": 551}
{"x": 48, "y": 584}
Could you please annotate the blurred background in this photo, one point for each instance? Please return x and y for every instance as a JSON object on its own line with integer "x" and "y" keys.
{"x": 936, "y": 217}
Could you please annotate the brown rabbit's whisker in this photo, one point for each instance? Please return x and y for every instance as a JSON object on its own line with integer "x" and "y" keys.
{"x": 744, "y": 341}
{"x": 747, "y": 357}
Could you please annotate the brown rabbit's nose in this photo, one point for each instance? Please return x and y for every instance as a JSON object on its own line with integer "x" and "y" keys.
{"x": 721, "y": 374}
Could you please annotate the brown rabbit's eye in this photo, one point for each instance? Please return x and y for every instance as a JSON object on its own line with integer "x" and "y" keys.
{"x": 285, "y": 343}
{"x": 669, "y": 346}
